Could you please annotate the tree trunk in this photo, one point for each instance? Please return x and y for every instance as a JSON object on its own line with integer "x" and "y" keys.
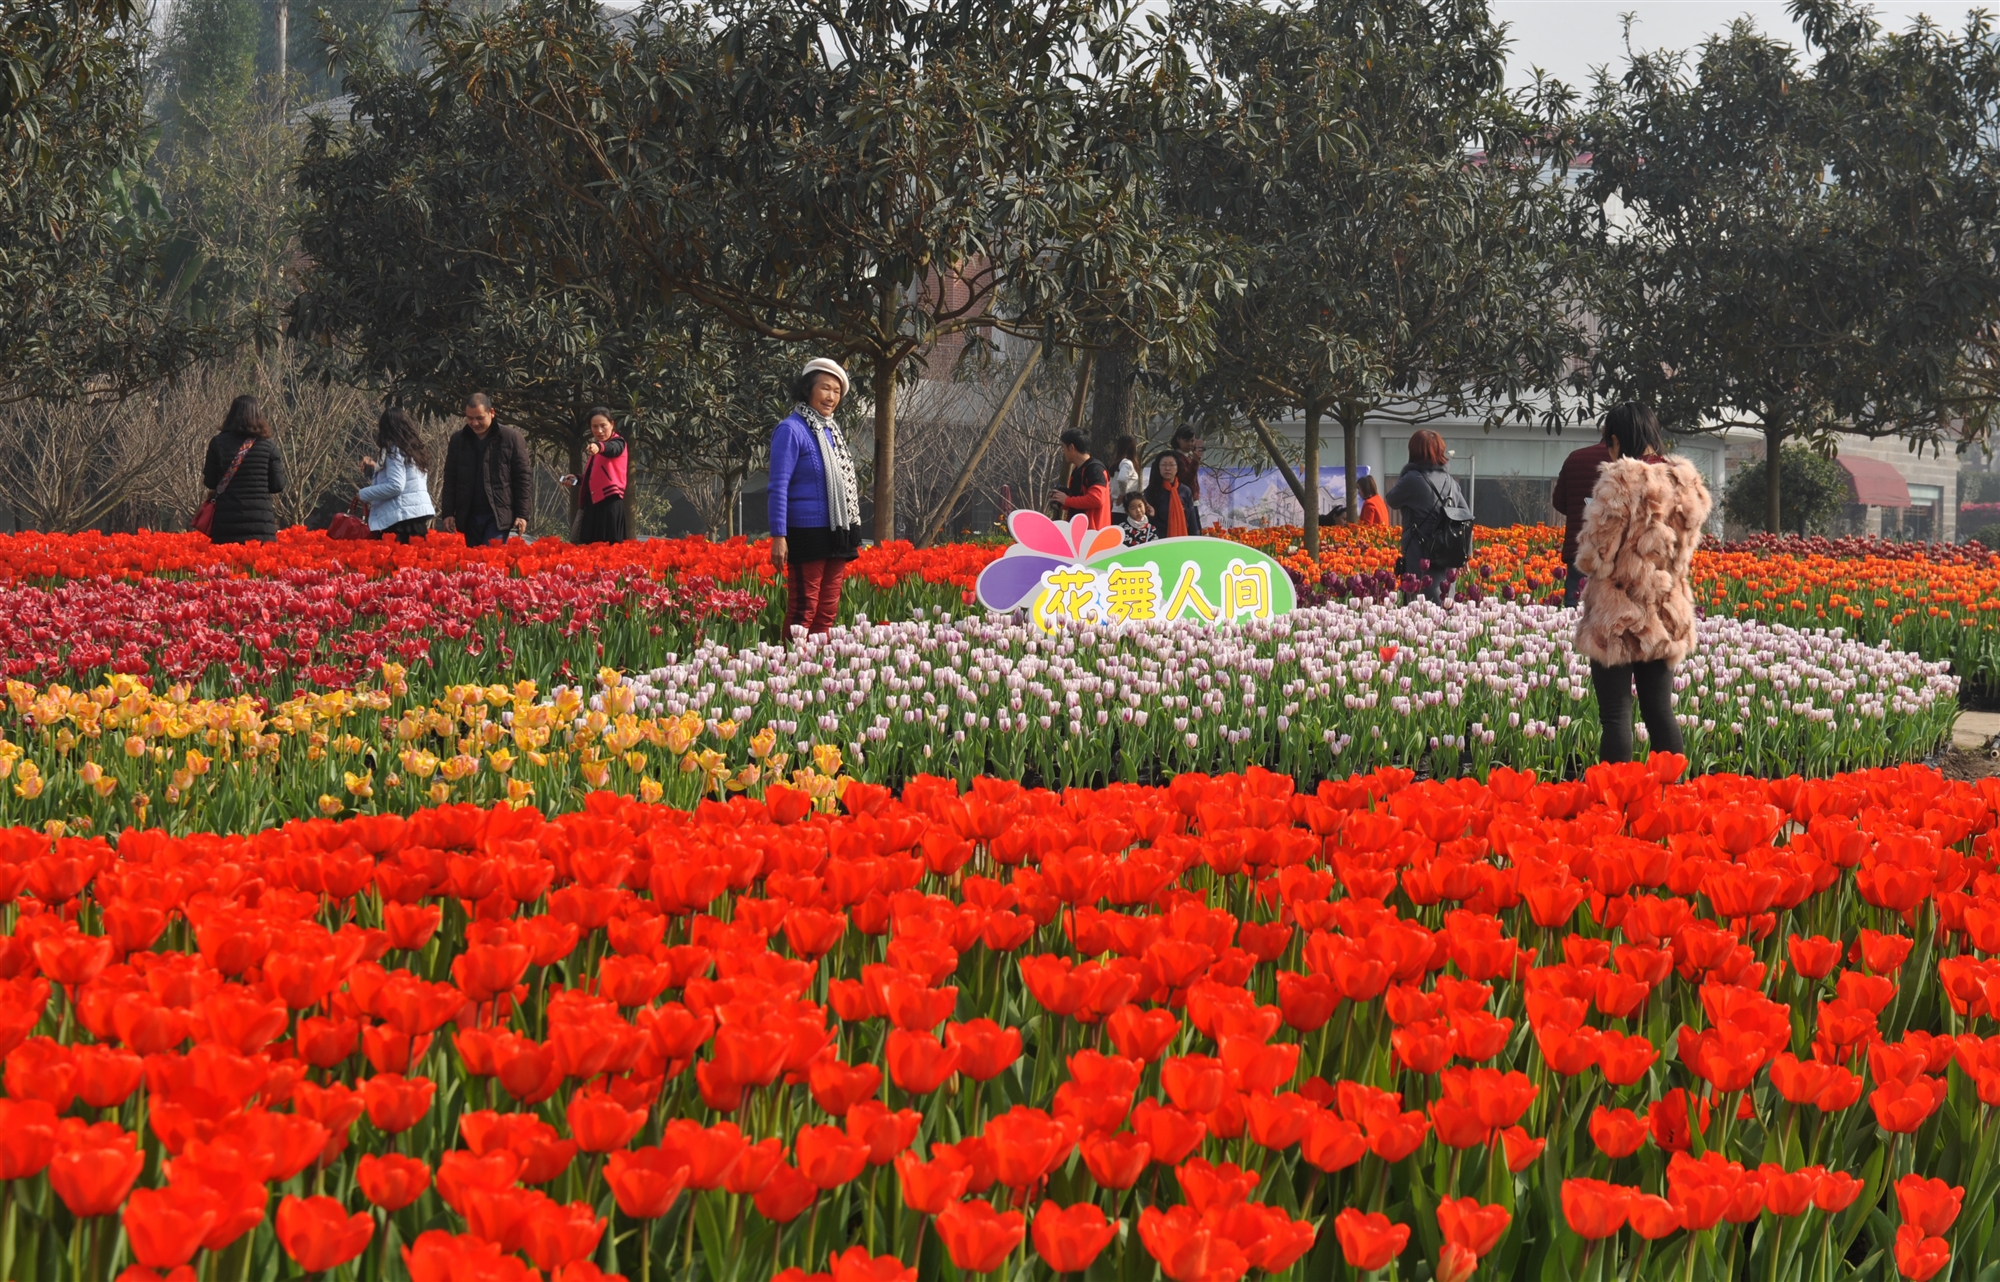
{"x": 1774, "y": 440}
{"x": 1350, "y": 437}
{"x": 732, "y": 491}
{"x": 284, "y": 50}
{"x": 1309, "y": 474}
{"x": 885, "y": 451}
{"x": 1111, "y": 405}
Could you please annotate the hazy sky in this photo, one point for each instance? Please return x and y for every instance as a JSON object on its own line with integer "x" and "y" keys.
{"x": 1567, "y": 38}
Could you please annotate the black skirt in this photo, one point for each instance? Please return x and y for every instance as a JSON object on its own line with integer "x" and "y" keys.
{"x": 604, "y": 522}
{"x": 819, "y": 543}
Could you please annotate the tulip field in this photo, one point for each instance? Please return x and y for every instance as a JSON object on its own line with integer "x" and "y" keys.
{"x": 374, "y": 912}
{"x": 1627, "y": 1026}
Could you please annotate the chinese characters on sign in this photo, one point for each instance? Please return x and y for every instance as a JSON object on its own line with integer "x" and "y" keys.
{"x": 1071, "y": 575}
{"x": 1117, "y": 593}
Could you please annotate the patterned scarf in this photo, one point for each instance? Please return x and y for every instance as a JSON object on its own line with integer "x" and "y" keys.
{"x": 843, "y": 494}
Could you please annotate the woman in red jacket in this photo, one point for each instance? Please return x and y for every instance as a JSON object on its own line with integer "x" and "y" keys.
{"x": 601, "y": 487}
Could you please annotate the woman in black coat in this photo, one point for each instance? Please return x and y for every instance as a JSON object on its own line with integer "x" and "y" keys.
{"x": 243, "y": 470}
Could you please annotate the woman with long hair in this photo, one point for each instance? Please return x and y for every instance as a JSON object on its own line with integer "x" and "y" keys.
{"x": 815, "y": 503}
{"x": 1125, "y": 478}
{"x": 241, "y": 472}
{"x": 399, "y": 500}
{"x": 1636, "y": 550}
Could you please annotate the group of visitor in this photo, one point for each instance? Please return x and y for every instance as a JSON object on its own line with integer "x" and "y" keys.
{"x": 1632, "y": 517}
{"x": 488, "y": 493}
{"x": 1164, "y": 505}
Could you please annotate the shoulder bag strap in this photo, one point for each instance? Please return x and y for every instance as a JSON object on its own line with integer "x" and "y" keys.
{"x": 235, "y": 463}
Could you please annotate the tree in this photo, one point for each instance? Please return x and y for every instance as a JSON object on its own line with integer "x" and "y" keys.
{"x": 91, "y": 308}
{"x": 1812, "y": 488}
{"x": 1802, "y": 249}
{"x": 1392, "y": 267}
{"x": 864, "y": 178}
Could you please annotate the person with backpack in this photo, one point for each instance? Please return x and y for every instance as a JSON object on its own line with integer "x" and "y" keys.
{"x": 1636, "y": 551}
{"x": 1437, "y": 521}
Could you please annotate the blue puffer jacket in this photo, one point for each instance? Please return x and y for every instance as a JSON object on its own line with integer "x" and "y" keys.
{"x": 798, "y": 479}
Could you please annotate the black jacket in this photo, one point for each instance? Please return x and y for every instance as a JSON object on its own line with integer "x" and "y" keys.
{"x": 509, "y": 481}
{"x": 1415, "y": 494}
{"x": 1156, "y": 499}
{"x": 243, "y": 512}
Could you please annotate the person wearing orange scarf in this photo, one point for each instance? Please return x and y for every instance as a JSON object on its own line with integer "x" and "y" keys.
{"x": 1175, "y": 514}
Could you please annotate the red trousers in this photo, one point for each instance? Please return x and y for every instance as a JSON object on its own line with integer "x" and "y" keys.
{"x": 812, "y": 594}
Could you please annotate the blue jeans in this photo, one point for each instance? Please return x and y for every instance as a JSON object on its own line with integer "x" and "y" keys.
{"x": 1572, "y": 587}
{"x": 481, "y": 530}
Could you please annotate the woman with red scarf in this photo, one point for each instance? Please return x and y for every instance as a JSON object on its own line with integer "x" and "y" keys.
{"x": 1175, "y": 512}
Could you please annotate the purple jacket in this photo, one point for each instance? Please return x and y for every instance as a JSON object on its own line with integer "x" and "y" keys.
{"x": 798, "y": 479}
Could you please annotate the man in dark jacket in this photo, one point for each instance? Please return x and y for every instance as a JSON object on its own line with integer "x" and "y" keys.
{"x": 488, "y": 484}
{"x": 1573, "y": 486}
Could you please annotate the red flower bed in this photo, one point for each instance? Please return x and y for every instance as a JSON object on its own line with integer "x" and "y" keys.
{"x": 1546, "y": 1026}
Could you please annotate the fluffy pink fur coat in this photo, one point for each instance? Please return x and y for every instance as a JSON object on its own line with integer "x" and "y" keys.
{"x": 1639, "y": 536}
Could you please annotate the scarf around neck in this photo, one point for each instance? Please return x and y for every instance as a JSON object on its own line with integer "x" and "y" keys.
{"x": 843, "y": 494}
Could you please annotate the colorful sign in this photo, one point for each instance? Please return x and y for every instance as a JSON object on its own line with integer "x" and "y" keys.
{"x": 1259, "y": 498}
{"x": 1068, "y": 573}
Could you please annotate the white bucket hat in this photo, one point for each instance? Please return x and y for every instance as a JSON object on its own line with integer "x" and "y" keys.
{"x": 821, "y": 365}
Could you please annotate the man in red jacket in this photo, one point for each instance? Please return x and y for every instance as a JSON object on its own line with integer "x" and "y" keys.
{"x": 1089, "y": 487}
{"x": 1573, "y": 486}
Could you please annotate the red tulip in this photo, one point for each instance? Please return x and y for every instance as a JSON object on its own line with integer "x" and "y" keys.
{"x": 27, "y": 1137}
{"x": 1593, "y": 1208}
{"x": 977, "y": 1237}
{"x": 837, "y": 1087}
{"x": 1188, "y": 1247}
{"x": 1931, "y": 1205}
{"x": 1069, "y": 1239}
{"x": 391, "y": 1180}
{"x": 1653, "y": 1217}
{"x": 1369, "y": 1241}
{"x": 985, "y": 1049}
{"x": 94, "y": 1166}
{"x": 1918, "y": 1257}
{"x": 1837, "y": 1191}
{"x": 1116, "y": 1161}
{"x": 557, "y": 1235}
{"x": 918, "y": 1062}
{"x": 827, "y": 1157}
{"x": 598, "y": 1123}
{"x": 319, "y": 1234}
{"x": 786, "y": 1195}
{"x": 884, "y": 1133}
{"x": 396, "y": 1103}
{"x": 931, "y": 1186}
{"x": 1618, "y": 1132}
{"x": 645, "y": 1181}
{"x": 1465, "y": 1223}
{"x": 165, "y": 1227}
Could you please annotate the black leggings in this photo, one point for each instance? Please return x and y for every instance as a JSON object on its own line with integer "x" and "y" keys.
{"x": 1655, "y": 681}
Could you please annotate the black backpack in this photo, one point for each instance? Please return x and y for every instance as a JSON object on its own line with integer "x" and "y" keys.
{"x": 1444, "y": 533}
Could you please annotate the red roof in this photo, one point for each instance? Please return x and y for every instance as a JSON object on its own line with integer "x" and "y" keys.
{"x": 1876, "y": 484}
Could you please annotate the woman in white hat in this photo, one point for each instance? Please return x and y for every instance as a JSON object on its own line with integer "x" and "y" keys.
{"x": 815, "y": 505}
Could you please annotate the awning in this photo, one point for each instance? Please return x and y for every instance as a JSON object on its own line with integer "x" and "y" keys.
{"x": 1876, "y": 484}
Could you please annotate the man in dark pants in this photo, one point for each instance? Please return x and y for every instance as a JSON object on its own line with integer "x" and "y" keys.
{"x": 488, "y": 479}
{"x": 1573, "y": 486}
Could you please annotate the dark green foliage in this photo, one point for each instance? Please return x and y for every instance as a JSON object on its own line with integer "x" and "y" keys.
{"x": 1401, "y": 240}
{"x": 1812, "y": 489}
{"x": 92, "y": 306}
{"x": 1802, "y": 246}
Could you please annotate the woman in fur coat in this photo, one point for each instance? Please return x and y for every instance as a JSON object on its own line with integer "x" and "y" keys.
{"x": 1640, "y": 530}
